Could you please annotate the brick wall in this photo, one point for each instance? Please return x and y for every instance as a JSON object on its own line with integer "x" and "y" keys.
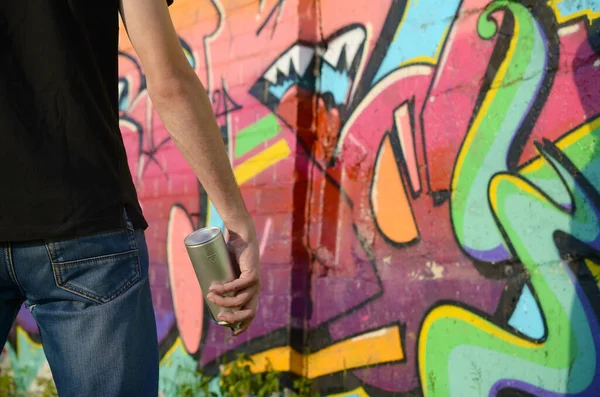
{"x": 423, "y": 178}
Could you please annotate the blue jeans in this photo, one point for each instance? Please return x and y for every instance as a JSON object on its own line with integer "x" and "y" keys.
{"x": 90, "y": 297}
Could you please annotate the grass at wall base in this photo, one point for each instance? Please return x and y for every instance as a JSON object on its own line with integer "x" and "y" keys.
{"x": 238, "y": 381}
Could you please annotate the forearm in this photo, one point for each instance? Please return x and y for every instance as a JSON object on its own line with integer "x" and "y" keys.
{"x": 186, "y": 112}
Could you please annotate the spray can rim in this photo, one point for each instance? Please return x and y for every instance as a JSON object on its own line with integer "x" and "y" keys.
{"x": 202, "y": 236}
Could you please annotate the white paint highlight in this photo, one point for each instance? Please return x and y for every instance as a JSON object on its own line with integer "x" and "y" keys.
{"x": 265, "y": 236}
{"x": 299, "y": 55}
{"x": 351, "y": 40}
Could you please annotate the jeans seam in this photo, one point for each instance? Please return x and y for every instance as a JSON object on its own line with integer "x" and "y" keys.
{"x": 94, "y": 259}
{"x": 55, "y": 270}
{"x": 11, "y": 269}
{"x": 130, "y": 231}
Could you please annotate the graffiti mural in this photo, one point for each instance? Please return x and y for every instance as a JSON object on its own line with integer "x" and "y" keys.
{"x": 425, "y": 180}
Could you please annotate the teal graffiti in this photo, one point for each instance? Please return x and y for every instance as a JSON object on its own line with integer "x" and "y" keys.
{"x": 26, "y": 359}
{"x": 177, "y": 369}
{"x": 484, "y": 152}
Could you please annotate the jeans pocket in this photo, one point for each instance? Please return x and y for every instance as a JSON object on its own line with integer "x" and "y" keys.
{"x": 97, "y": 267}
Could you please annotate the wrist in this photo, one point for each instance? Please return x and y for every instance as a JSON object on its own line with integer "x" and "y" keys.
{"x": 243, "y": 226}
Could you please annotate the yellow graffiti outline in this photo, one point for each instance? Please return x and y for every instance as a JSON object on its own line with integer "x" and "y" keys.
{"x": 427, "y": 59}
{"x": 594, "y": 269}
{"x": 359, "y": 391}
{"x": 167, "y": 357}
{"x": 578, "y": 134}
{"x": 21, "y": 333}
{"x": 525, "y": 187}
{"x": 371, "y": 348}
{"x": 490, "y": 96}
{"x": 421, "y": 58}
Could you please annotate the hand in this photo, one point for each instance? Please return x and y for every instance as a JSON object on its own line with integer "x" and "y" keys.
{"x": 246, "y": 288}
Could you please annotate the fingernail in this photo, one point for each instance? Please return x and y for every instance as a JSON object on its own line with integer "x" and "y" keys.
{"x": 210, "y": 297}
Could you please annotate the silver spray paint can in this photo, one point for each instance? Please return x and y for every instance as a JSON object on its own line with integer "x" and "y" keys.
{"x": 210, "y": 258}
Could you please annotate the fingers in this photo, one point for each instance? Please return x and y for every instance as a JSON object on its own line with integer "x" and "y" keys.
{"x": 233, "y": 286}
{"x": 242, "y": 317}
{"x": 241, "y": 294}
{"x": 231, "y": 302}
{"x": 237, "y": 316}
{"x": 243, "y": 328}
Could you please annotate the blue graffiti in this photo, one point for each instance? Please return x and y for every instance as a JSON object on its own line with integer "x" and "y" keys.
{"x": 527, "y": 317}
{"x": 419, "y": 35}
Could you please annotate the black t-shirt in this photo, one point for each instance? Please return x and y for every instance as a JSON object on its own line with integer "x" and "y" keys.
{"x": 63, "y": 165}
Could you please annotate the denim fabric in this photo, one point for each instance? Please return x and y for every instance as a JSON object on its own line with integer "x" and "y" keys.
{"x": 90, "y": 297}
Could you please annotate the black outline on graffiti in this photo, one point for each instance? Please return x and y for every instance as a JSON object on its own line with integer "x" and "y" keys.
{"x": 221, "y": 98}
{"x": 275, "y": 12}
{"x": 386, "y": 37}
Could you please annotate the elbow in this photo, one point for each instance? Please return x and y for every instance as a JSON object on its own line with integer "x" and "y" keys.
{"x": 174, "y": 88}
{"x": 167, "y": 89}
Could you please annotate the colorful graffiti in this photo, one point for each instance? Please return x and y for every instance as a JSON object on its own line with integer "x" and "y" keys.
{"x": 521, "y": 214}
{"x": 424, "y": 177}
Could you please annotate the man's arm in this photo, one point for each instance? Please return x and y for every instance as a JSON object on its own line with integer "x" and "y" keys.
{"x": 185, "y": 109}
